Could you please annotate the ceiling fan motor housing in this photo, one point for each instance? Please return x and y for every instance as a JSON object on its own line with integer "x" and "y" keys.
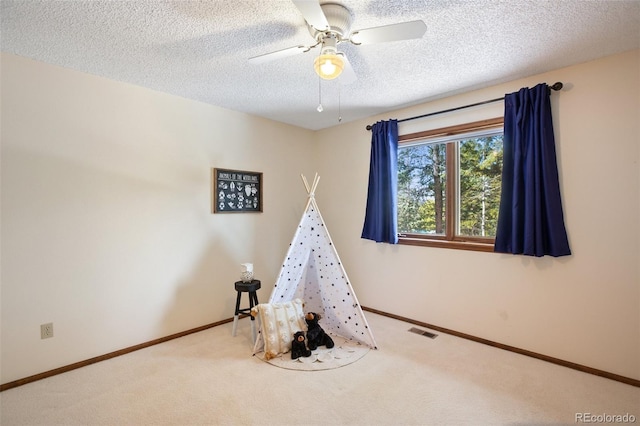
{"x": 339, "y": 19}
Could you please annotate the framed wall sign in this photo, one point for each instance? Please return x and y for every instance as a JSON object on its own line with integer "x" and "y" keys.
{"x": 236, "y": 191}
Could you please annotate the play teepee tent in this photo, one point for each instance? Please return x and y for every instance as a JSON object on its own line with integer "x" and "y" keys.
{"x": 312, "y": 271}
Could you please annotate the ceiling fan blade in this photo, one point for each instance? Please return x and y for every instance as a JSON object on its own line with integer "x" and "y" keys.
{"x": 312, "y": 13}
{"x": 393, "y": 32}
{"x": 278, "y": 54}
{"x": 348, "y": 75}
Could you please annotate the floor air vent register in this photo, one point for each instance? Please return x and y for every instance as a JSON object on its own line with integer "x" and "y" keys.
{"x": 423, "y": 333}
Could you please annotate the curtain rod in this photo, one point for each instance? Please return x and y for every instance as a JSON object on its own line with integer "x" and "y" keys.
{"x": 556, "y": 86}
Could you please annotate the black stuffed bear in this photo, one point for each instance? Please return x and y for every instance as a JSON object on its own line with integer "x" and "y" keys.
{"x": 315, "y": 334}
{"x": 298, "y": 346}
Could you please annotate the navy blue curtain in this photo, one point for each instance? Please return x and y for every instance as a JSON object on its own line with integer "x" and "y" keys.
{"x": 381, "y": 222}
{"x": 530, "y": 219}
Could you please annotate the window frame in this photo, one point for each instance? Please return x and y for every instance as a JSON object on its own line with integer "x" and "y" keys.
{"x": 449, "y": 239}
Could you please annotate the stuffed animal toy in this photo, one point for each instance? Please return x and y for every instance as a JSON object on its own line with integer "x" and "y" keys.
{"x": 298, "y": 346}
{"x": 315, "y": 334}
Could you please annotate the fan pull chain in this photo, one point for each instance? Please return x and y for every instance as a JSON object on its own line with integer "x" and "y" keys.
{"x": 320, "y": 108}
{"x": 339, "y": 102}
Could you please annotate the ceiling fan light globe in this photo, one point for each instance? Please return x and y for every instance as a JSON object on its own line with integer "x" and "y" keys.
{"x": 328, "y": 67}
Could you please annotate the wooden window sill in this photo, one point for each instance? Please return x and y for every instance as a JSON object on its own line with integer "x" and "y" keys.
{"x": 457, "y": 245}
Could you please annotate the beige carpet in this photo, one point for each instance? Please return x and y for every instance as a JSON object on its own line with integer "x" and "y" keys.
{"x": 211, "y": 378}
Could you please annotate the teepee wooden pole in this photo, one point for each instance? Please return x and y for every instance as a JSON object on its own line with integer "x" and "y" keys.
{"x": 306, "y": 183}
{"x": 316, "y": 179}
{"x": 311, "y": 190}
{"x": 309, "y": 193}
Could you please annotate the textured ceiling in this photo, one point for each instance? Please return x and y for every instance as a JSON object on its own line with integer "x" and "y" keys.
{"x": 199, "y": 49}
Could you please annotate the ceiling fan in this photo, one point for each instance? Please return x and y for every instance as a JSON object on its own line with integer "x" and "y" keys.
{"x": 330, "y": 24}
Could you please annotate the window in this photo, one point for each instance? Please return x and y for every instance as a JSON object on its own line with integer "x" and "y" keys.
{"x": 449, "y": 183}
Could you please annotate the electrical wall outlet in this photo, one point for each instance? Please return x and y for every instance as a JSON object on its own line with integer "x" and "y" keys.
{"x": 46, "y": 330}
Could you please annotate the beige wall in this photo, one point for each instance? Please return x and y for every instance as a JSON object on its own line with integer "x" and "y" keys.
{"x": 106, "y": 230}
{"x": 106, "y": 223}
{"x": 584, "y": 308}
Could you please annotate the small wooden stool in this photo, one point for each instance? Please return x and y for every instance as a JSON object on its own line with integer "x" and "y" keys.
{"x": 249, "y": 287}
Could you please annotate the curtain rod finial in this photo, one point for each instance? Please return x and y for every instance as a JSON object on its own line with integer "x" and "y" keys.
{"x": 557, "y": 86}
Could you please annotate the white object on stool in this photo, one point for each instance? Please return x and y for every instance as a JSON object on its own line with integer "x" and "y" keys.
{"x": 247, "y": 272}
